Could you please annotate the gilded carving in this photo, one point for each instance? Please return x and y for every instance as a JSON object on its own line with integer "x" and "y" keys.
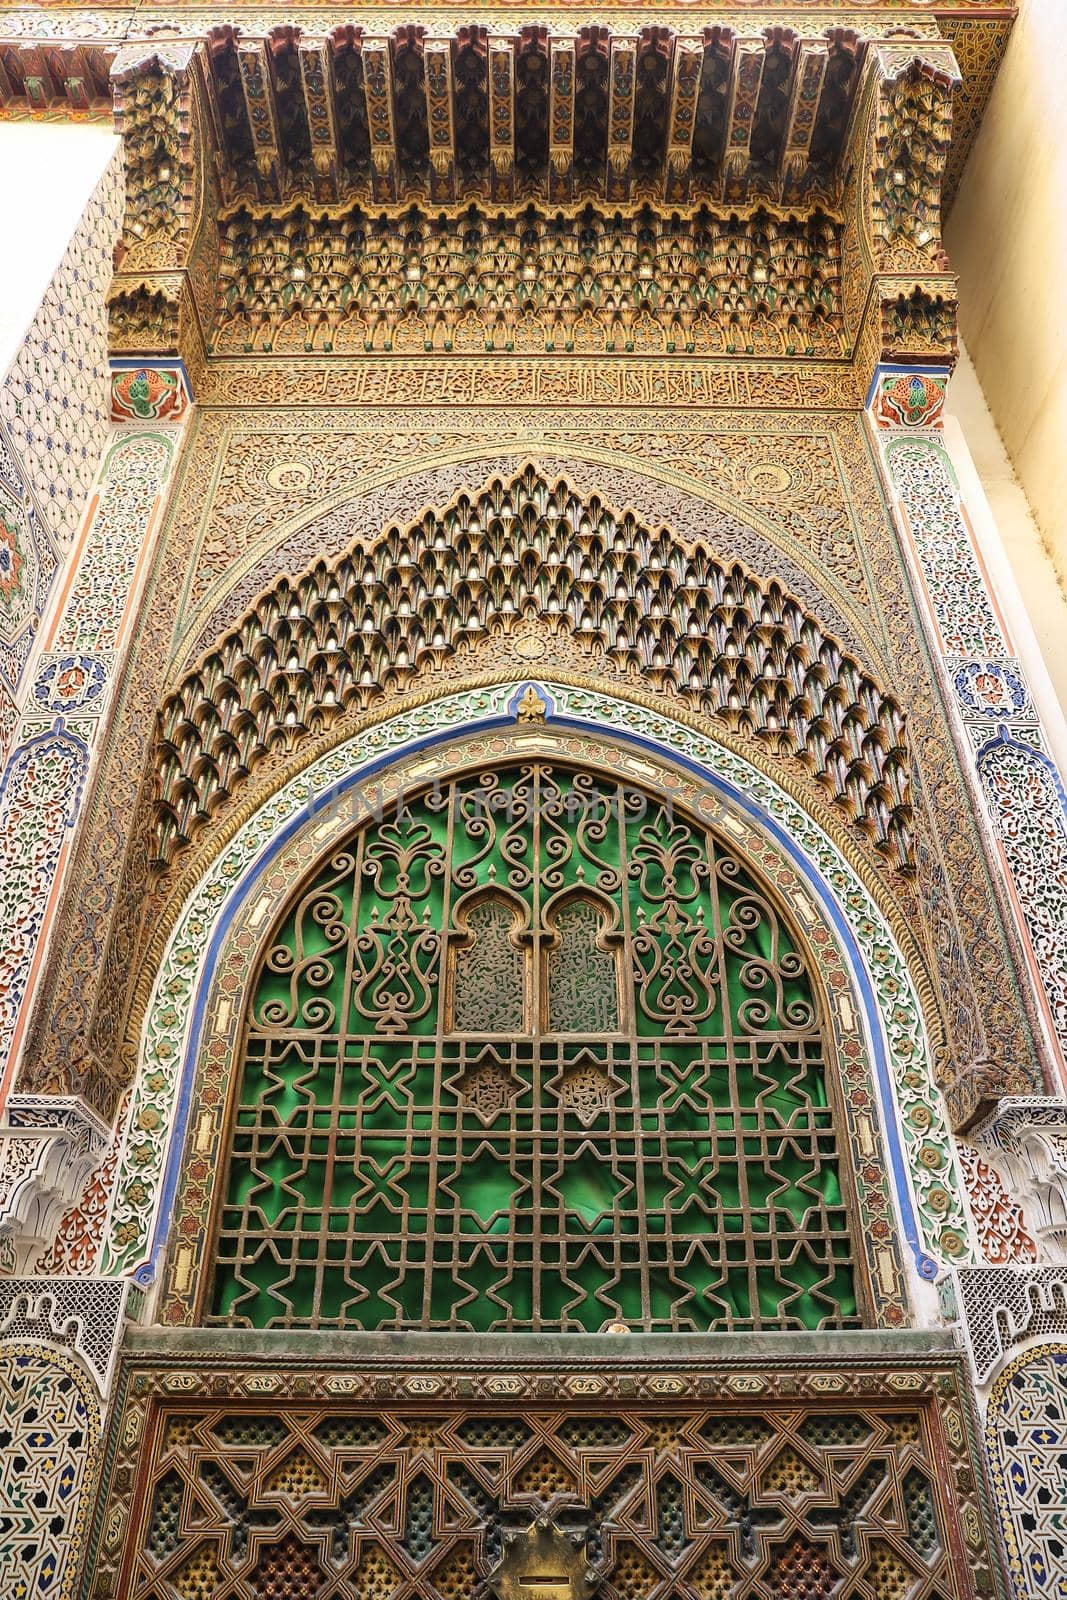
{"x": 241, "y": 492}
{"x": 526, "y": 360}
{"x": 351, "y": 633}
{"x": 589, "y": 282}
{"x": 645, "y": 1469}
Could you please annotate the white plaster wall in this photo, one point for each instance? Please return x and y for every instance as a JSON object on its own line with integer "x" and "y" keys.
{"x": 1016, "y": 556}
{"x": 61, "y": 196}
{"x": 1007, "y": 239}
{"x": 48, "y": 172}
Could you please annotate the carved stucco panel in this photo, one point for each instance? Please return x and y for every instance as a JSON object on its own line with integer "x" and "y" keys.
{"x": 242, "y": 501}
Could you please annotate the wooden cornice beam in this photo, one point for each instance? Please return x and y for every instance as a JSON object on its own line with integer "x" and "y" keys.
{"x": 621, "y": 116}
{"x": 718, "y": 118}
{"x": 502, "y": 117}
{"x": 54, "y": 75}
{"x": 316, "y": 80}
{"x": 749, "y": 59}
{"x": 688, "y": 65}
{"x": 41, "y": 74}
{"x": 803, "y": 110}
{"x": 437, "y": 55}
{"x": 561, "y": 119}
{"x": 39, "y": 87}
{"x": 69, "y": 68}
{"x": 262, "y": 113}
{"x": 378, "y": 86}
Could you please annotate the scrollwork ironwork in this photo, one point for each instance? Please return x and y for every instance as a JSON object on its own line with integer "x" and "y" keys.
{"x": 534, "y": 1051}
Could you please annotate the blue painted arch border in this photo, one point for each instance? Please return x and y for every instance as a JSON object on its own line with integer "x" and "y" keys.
{"x": 926, "y": 1266}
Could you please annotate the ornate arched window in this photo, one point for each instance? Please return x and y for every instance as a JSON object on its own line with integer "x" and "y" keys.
{"x": 534, "y": 1051}
{"x": 580, "y": 993}
{"x": 488, "y": 983}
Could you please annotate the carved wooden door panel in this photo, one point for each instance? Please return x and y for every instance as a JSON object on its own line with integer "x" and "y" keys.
{"x": 628, "y": 1476}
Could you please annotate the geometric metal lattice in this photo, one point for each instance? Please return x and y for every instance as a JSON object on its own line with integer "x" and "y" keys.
{"x": 533, "y": 1052}
{"x": 786, "y": 1503}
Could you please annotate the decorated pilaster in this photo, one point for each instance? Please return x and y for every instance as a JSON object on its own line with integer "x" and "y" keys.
{"x": 59, "y": 1334}
{"x": 167, "y": 250}
{"x": 82, "y": 652}
{"x": 1014, "y": 1160}
{"x": 900, "y": 296}
{"x": 84, "y": 640}
{"x": 998, "y": 729}
{"x": 86, "y": 456}
{"x": 55, "y": 1402}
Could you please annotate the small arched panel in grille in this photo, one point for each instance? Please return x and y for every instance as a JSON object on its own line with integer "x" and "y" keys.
{"x": 533, "y": 1051}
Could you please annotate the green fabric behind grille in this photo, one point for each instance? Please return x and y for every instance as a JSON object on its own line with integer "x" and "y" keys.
{"x": 632, "y": 1123}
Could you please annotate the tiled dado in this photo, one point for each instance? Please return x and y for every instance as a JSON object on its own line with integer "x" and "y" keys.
{"x": 1026, "y": 1436}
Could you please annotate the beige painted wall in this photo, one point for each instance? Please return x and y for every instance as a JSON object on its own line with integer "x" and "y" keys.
{"x": 1031, "y": 601}
{"x": 1007, "y": 239}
